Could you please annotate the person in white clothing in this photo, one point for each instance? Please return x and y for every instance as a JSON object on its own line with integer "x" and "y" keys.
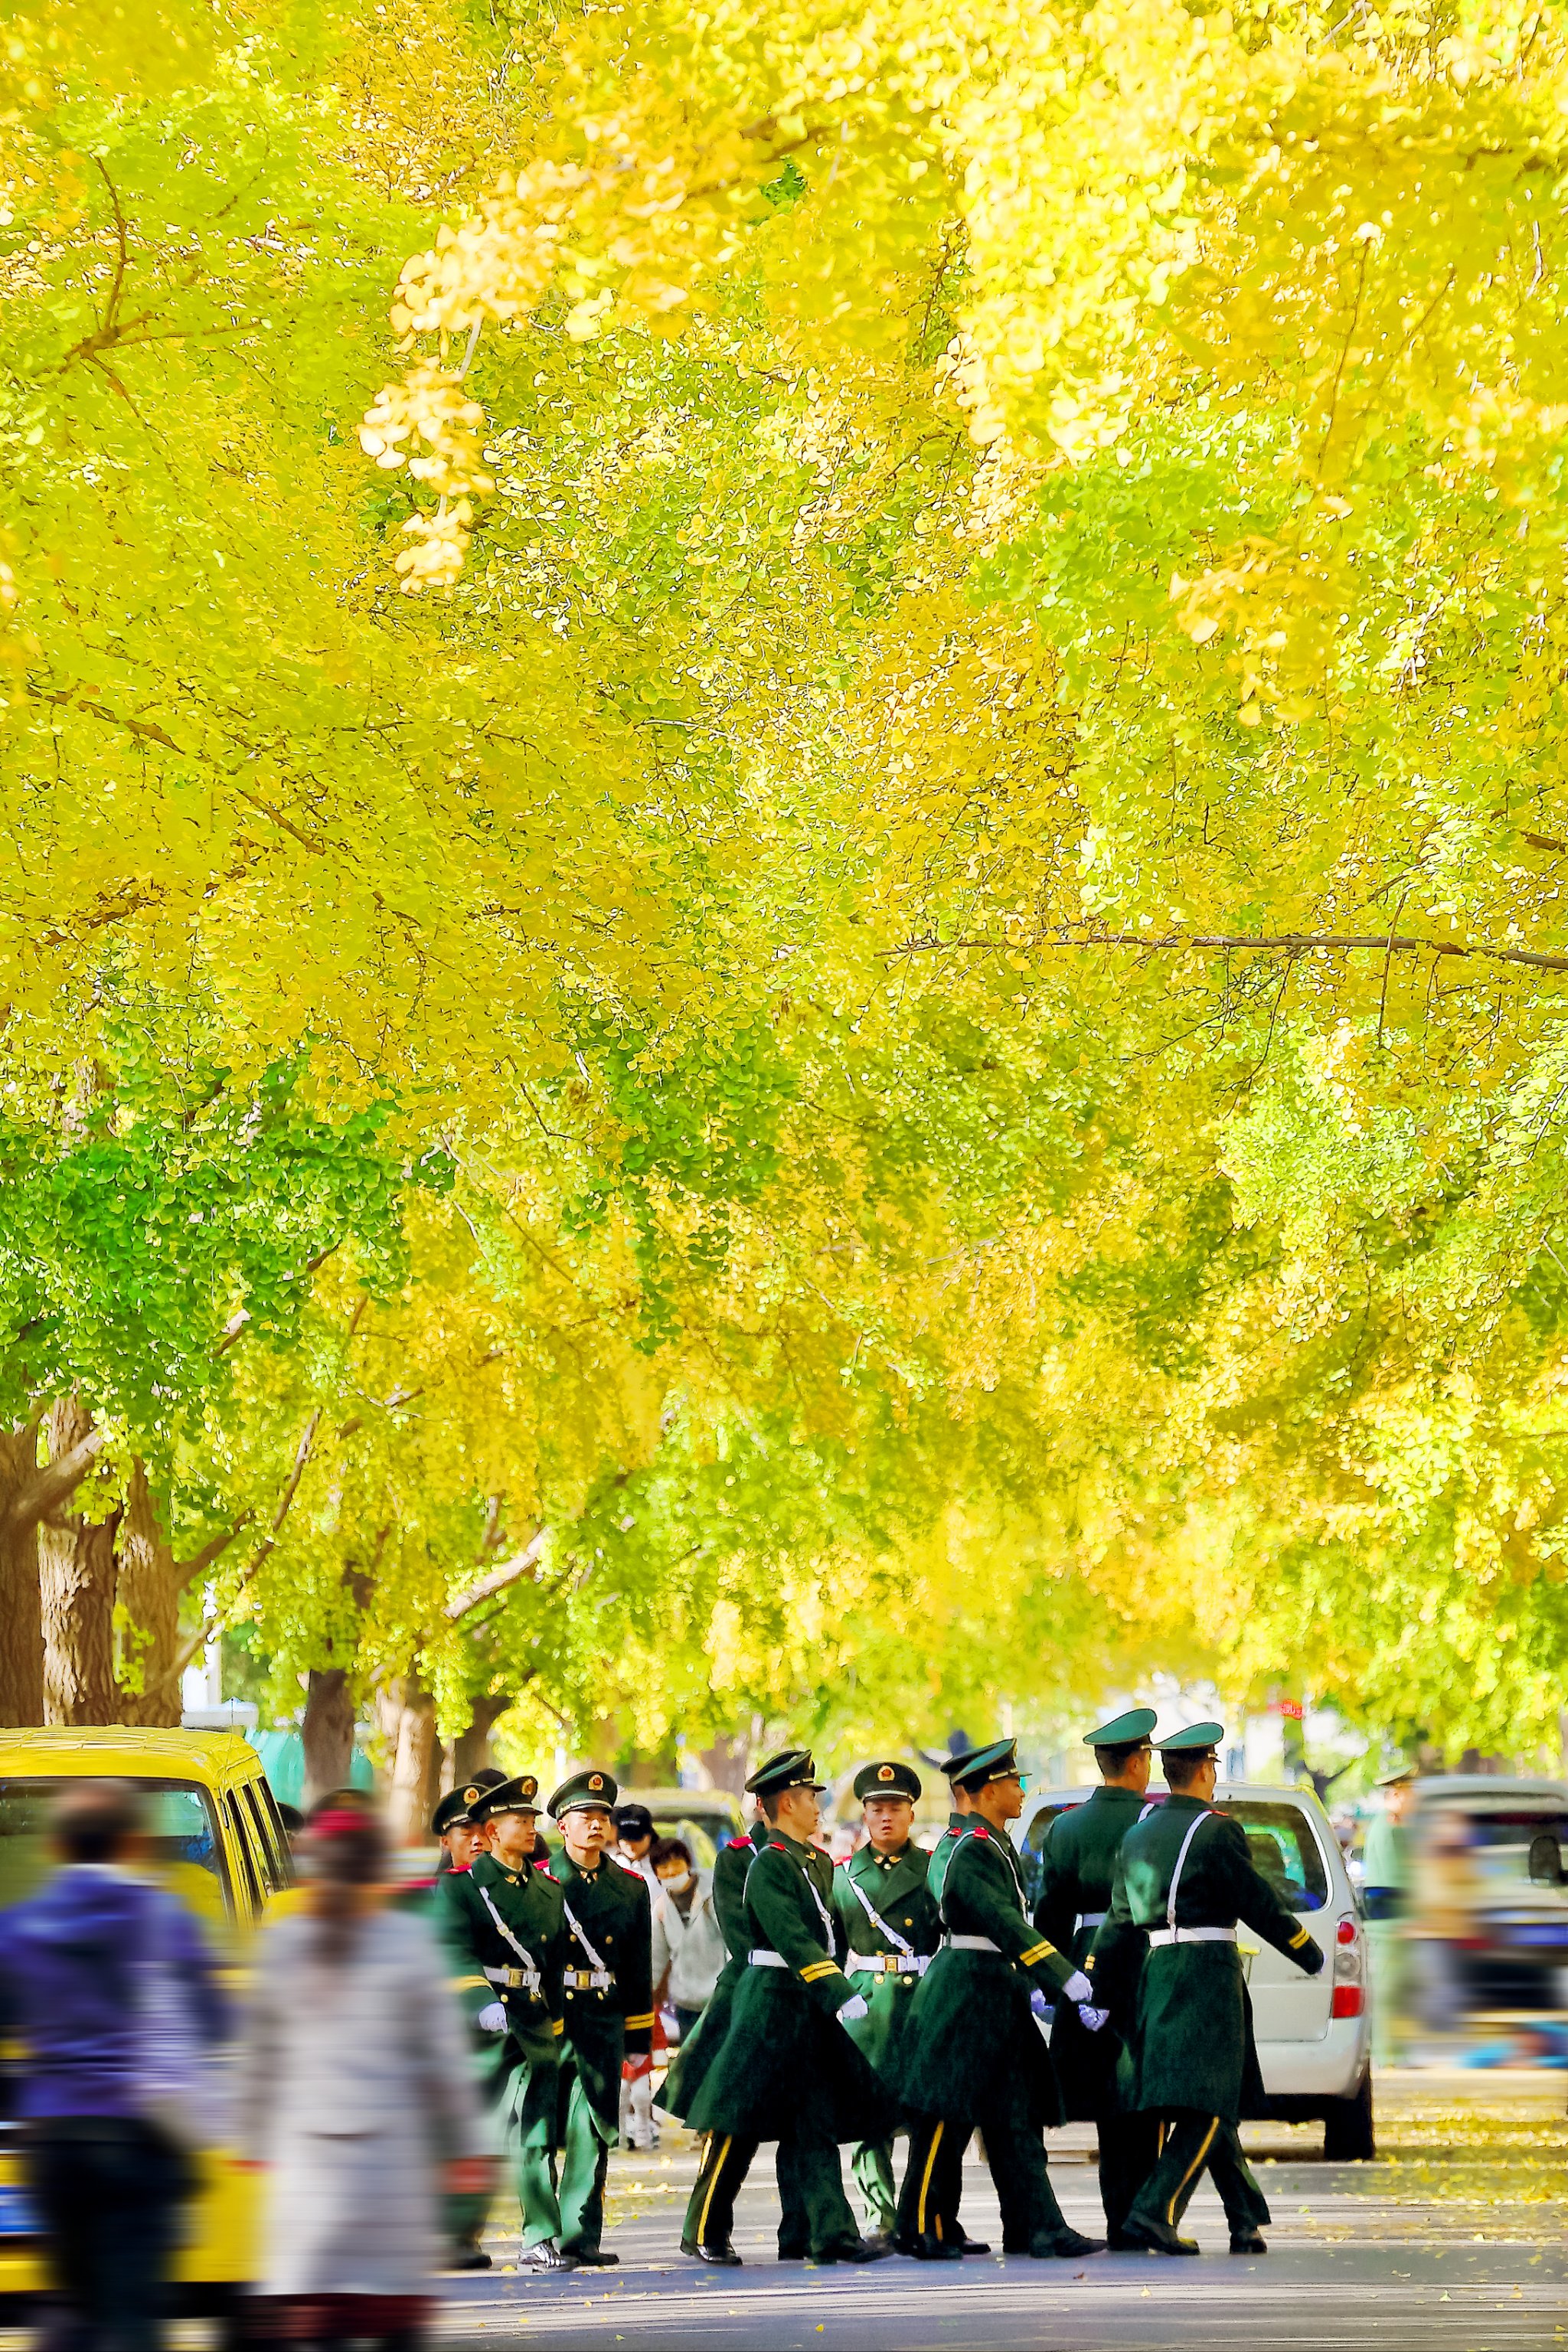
{"x": 687, "y": 1948}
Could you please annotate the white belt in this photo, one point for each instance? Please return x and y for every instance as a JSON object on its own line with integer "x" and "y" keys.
{"x": 888, "y": 1964}
{"x": 587, "y": 1979}
{"x": 1092, "y": 1918}
{"x": 972, "y": 1944}
{"x": 516, "y": 1979}
{"x": 1158, "y": 1936}
{"x": 767, "y": 1959}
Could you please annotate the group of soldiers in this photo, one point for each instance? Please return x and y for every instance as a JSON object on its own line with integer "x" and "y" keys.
{"x": 906, "y": 1992}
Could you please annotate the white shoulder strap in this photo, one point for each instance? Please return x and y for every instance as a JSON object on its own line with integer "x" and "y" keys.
{"x": 876, "y": 1919}
{"x": 523, "y": 1954}
{"x": 1181, "y": 1864}
{"x": 593, "y": 1956}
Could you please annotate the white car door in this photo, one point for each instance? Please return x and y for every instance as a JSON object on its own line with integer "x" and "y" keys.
{"x": 1283, "y": 1843}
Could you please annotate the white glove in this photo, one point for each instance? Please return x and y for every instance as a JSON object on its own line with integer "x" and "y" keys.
{"x": 1093, "y": 2018}
{"x": 1078, "y": 1987}
{"x": 493, "y": 2018}
{"x": 852, "y": 2010}
{"x": 1038, "y": 2001}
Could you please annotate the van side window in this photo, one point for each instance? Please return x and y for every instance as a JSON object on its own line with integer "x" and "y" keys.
{"x": 240, "y": 1832}
{"x": 273, "y": 1875}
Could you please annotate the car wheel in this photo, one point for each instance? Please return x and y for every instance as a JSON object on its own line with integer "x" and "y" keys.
{"x": 1349, "y": 2137}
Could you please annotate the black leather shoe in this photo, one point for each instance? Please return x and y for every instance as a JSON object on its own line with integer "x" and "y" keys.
{"x": 467, "y": 2258}
{"x": 596, "y": 2261}
{"x": 936, "y": 2250}
{"x": 973, "y": 2246}
{"x": 1063, "y": 2244}
{"x": 1247, "y": 2241}
{"x": 722, "y": 2257}
{"x": 794, "y": 2253}
{"x": 1121, "y": 2243}
{"x": 546, "y": 2256}
{"x": 853, "y": 2249}
{"x": 1161, "y": 2239}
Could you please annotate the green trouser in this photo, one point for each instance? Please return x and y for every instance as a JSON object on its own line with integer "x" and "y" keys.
{"x": 1016, "y": 2154}
{"x": 872, "y": 2166}
{"x": 525, "y": 2112}
{"x": 1129, "y": 2145}
{"x": 821, "y": 2213}
{"x": 1193, "y": 2144}
{"x": 1389, "y": 1952}
{"x": 588, "y": 2126}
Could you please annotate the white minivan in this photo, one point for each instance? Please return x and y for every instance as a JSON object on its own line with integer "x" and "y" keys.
{"x": 1314, "y": 2042}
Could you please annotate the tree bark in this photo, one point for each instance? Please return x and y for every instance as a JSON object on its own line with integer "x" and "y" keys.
{"x": 150, "y": 1582}
{"x": 471, "y": 1749}
{"x": 76, "y": 1591}
{"x": 327, "y": 1731}
{"x": 409, "y": 1716}
{"x": 21, "y": 1621}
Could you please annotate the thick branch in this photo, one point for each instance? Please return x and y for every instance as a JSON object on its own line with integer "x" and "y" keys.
{"x": 497, "y": 1581}
{"x": 50, "y": 1486}
{"x": 1281, "y": 943}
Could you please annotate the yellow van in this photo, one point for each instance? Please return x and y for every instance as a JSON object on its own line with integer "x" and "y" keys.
{"x": 218, "y": 1841}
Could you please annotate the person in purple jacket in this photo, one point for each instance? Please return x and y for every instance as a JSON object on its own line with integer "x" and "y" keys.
{"x": 108, "y": 2174}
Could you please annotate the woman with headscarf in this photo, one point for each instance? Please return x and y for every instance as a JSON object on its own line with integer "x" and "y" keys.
{"x": 358, "y": 2101}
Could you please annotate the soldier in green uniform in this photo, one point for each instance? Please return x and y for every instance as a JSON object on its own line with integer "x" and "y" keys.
{"x": 460, "y": 1838}
{"x": 892, "y": 1928}
{"x": 786, "y": 2070}
{"x": 609, "y": 2002}
{"x": 1078, "y": 1865}
{"x": 504, "y": 1925}
{"x": 1183, "y": 1878}
{"x": 973, "y": 2056}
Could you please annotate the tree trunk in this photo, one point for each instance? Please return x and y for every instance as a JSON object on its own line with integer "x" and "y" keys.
{"x": 408, "y": 1714}
{"x": 150, "y": 1584}
{"x": 76, "y": 1591}
{"x": 471, "y": 1749}
{"x": 327, "y": 1731}
{"x": 21, "y": 1621}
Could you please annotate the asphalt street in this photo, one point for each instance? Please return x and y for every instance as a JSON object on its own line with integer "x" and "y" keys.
{"x": 1451, "y": 2242}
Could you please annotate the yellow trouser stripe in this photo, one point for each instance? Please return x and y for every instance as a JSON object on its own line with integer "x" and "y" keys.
{"x": 712, "y": 2185}
{"x": 1036, "y": 1952}
{"x": 925, "y": 2178}
{"x": 1196, "y": 2166}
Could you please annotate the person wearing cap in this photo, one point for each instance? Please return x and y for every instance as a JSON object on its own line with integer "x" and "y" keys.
{"x": 973, "y": 2056}
{"x": 634, "y": 1842}
{"x": 1078, "y": 1868}
{"x": 504, "y": 1923}
{"x": 786, "y": 2070}
{"x": 608, "y": 1991}
{"x": 1183, "y": 1879}
{"x": 689, "y": 2067}
{"x": 460, "y": 1838}
{"x": 891, "y": 1927}
{"x": 1388, "y": 1874}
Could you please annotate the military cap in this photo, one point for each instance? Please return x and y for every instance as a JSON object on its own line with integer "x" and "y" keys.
{"x": 519, "y": 1796}
{"x": 887, "y": 1780}
{"x": 1128, "y": 1730}
{"x": 593, "y": 1791}
{"x": 456, "y": 1805}
{"x": 1194, "y": 1740}
{"x": 1406, "y": 1773}
{"x": 999, "y": 1761}
{"x": 792, "y": 1767}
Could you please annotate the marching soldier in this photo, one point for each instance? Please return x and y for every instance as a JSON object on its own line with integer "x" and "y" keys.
{"x": 973, "y": 2056}
{"x": 786, "y": 2070}
{"x": 460, "y": 1838}
{"x": 1095, "y": 2070}
{"x": 608, "y": 2002}
{"x": 1183, "y": 1880}
{"x": 892, "y": 1928}
{"x": 504, "y": 1923}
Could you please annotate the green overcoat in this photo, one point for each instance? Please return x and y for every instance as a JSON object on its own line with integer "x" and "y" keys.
{"x": 606, "y": 2024}
{"x": 784, "y": 2058}
{"x": 488, "y": 1965}
{"x": 894, "y": 1886}
{"x": 697, "y": 2054}
{"x": 969, "y": 2022}
{"x": 1189, "y": 2016}
{"x": 1078, "y": 1868}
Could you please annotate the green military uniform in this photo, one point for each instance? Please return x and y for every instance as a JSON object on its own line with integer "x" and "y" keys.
{"x": 1183, "y": 1880}
{"x": 786, "y": 2070}
{"x": 609, "y": 1991}
{"x": 891, "y": 1927}
{"x": 463, "y": 2218}
{"x": 505, "y": 1931}
{"x": 695, "y": 2056}
{"x": 1095, "y": 2070}
{"x": 1387, "y": 1876}
{"x": 974, "y": 2057}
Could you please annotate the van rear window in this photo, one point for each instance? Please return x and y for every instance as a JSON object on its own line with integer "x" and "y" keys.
{"x": 183, "y": 1848}
{"x": 1282, "y": 1848}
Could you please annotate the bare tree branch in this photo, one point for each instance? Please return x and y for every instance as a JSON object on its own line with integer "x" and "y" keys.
{"x": 49, "y": 1487}
{"x": 497, "y": 1581}
{"x": 1280, "y": 943}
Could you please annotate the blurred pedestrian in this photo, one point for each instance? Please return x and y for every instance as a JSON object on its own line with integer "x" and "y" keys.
{"x": 635, "y": 1835}
{"x": 1387, "y": 1876}
{"x": 689, "y": 1947}
{"x": 1444, "y": 1923}
{"x": 358, "y": 2102}
{"x": 108, "y": 1994}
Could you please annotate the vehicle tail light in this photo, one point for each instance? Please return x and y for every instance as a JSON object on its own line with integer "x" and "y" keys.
{"x": 1347, "y": 1963}
{"x": 1347, "y": 2000}
{"x": 1346, "y": 1932}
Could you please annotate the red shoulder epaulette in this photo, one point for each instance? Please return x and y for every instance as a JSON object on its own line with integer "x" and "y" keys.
{"x": 981, "y": 1832}
{"x": 776, "y": 1847}
{"x": 740, "y": 1841}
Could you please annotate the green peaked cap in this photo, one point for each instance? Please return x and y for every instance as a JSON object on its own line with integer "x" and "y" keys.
{"x": 1195, "y": 1740}
{"x": 593, "y": 1788}
{"x": 890, "y": 1779}
{"x": 458, "y": 1804}
{"x": 519, "y": 1796}
{"x": 999, "y": 1761}
{"x": 792, "y": 1767}
{"x": 1123, "y": 1731}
